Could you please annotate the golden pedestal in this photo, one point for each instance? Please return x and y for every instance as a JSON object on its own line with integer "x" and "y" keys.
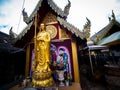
{"x": 43, "y": 79}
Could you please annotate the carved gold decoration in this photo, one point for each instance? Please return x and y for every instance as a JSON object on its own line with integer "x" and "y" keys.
{"x": 64, "y": 34}
{"x": 52, "y": 30}
{"x": 50, "y": 17}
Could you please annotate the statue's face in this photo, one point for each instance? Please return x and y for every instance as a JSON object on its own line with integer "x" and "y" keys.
{"x": 42, "y": 26}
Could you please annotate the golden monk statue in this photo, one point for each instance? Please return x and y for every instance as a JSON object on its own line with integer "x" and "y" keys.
{"x": 41, "y": 67}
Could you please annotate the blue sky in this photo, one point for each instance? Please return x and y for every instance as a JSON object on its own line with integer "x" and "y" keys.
{"x": 95, "y": 10}
{"x": 2, "y": 2}
{"x": 2, "y": 15}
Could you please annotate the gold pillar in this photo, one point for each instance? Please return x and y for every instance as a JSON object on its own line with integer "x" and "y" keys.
{"x": 75, "y": 62}
{"x": 27, "y": 61}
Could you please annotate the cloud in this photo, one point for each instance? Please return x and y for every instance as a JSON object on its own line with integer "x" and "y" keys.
{"x": 3, "y": 26}
{"x": 118, "y": 1}
{"x": 10, "y": 13}
{"x": 95, "y": 10}
{"x": 118, "y": 17}
{"x": 2, "y": 14}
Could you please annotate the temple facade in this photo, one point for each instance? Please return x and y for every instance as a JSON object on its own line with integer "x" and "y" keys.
{"x": 65, "y": 36}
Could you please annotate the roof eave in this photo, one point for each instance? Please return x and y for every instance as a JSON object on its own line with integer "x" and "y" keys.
{"x": 52, "y": 5}
{"x": 103, "y": 31}
{"x": 70, "y": 28}
{"x": 27, "y": 28}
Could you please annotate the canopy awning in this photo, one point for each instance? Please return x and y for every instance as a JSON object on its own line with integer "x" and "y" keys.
{"x": 110, "y": 40}
{"x": 96, "y": 47}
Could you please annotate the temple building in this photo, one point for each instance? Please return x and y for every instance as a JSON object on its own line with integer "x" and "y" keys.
{"x": 110, "y": 36}
{"x": 65, "y": 36}
{"x": 112, "y": 27}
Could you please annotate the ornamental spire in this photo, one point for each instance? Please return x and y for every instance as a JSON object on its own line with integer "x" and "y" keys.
{"x": 25, "y": 15}
{"x": 67, "y": 8}
{"x": 86, "y": 28}
{"x": 113, "y": 15}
